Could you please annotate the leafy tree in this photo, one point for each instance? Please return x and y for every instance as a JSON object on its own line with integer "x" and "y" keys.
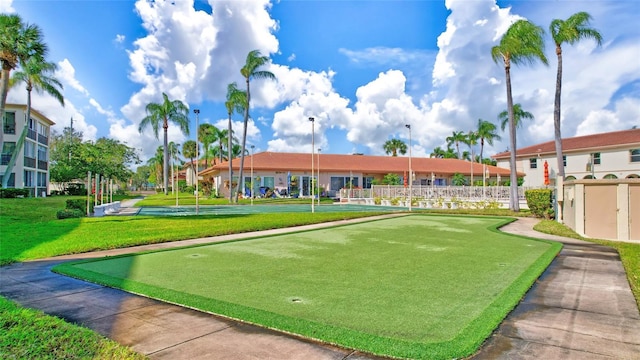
{"x": 236, "y": 102}
{"x": 157, "y": 113}
{"x": 18, "y": 43}
{"x": 458, "y": 179}
{"x": 569, "y": 31}
{"x": 65, "y": 156}
{"x": 140, "y": 179}
{"x": 518, "y": 115}
{"x": 521, "y": 44}
{"x": 456, "y": 138}
{"x": 486, "y": 131}
{"x": 395, "y": 146}
{"x": 249, "y": 71}
{"x": 111, "y": 158}
{"x": 391, "y": 179}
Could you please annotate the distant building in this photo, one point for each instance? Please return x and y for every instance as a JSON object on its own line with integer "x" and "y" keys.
{"x": 31, "y": 170}
{"x": 277, "y": 170}
{"x": 612, "y": 155}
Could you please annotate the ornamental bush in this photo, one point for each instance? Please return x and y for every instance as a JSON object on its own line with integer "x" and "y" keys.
{"x": 11, "y": 193}
{"x": 69, "y": 213}
{"x": 540, "y": 202}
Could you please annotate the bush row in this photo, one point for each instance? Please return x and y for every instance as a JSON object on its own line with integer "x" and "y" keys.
{"x": 10, "y": 193}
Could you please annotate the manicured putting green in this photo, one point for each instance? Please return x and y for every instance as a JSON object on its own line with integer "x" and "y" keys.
{"x": 418, "y": 286}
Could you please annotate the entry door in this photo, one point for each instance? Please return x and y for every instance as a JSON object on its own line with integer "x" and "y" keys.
{"x": 600, "y": 212}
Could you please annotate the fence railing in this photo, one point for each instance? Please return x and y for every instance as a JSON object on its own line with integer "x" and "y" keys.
{"x": 471, "y": 193}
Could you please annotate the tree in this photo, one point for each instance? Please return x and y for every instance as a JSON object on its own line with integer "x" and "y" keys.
{"x": 395, "y": 146}
{"x": 391, "y": 179}
{"x": 18, "y": 42}
{"x": 456, "y": 138}
{"x": 437, "y": 153}
{"x": 486, "y": 131}
{"x": 518, "y": 115}
{"x": 471, "y": 139}
{"x": 569, "y": 31}
{"x": 236, "y": 102}
{"x": 65, "y": 156}
{"x": 207, "y": 134}
{"x": 140, "y": 179}
{"x": 250, "y": 71}
{"x": 521, "y": 44}
{"x": 111, "y": 158}
{"x": 189, "y": 150}
{"x": 155, "y": 164}
{"x": 36, "y": 73}
{"x": 174, "y": 111}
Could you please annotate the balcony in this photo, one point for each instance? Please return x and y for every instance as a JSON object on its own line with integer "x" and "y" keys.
{"x": 43, "y": 165}
{"x": 32, "y": 134}
{"x": 29, "y": 162}
{"x": 43, "y": 139}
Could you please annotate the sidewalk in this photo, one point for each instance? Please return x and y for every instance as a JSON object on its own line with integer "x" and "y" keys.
{"x": 581, "y": 307}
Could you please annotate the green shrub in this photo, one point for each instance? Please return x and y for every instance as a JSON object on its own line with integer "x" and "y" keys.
{"x": 11, "y": 193}
{"x": 76, "y": 189}
{"x": 79, "y": 204}
{"x": 69, "y": 213}
{"x": 540, "y": 202}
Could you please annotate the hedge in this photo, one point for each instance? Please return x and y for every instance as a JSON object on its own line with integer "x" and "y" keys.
{"x": 540, "y": 202}
{"x": 10, "y": 193}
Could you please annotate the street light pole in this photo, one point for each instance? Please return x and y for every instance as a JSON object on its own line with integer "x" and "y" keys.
{"x": 252, "y": 147}
{"x": 197, "y": 112}
{"x": 410, "y": 171}
{"x": 312, "y": 152}
{"x": 319, "y": 176}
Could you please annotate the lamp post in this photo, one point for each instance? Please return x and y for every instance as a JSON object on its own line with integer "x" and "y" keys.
{"x": 410, "y": 171}
{"x": 312, "y": 148}
{"x": 319, "y": 176}
{"x": 197, "y": 112}
{"x": 252, "y": 147}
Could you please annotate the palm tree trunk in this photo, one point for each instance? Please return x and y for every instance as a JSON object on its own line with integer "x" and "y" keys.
{"x": 514, "y": 203}
{"x": 481, "y": 149}
{"x": 556, "y": 116}
{"x": 165, "y": 159}
{"x": 230, "y": 163}
{"x": 244, "y": 141}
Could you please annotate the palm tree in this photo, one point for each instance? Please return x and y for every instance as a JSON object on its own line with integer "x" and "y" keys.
{"x": 250, "y": 71}
{"x": 471, "y": 139}
{"x": 521, "y": 44}
{"x": 486, "y": 131}
{"x": 394, "y": 146}
{"x": 189, "y": 150}
{"x": 456, "y": 138}
{"x": 518, "y": 115}
{"x": 207, "y": 134}
{"x": 437, "y": 153}
{"x": 236, "y": 102}
{"x": 174, "y": 111}
{"x": 36, "y": 73}
{"x": 18, "y": 43}
{"x": 570, "y": 31}
{"x": 156, "y": 163}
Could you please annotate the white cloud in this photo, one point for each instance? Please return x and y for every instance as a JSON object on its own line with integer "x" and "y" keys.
{"x": 119, "y": 38}
{"x": 66, "y": 73}
{"x": 5, "y": 7}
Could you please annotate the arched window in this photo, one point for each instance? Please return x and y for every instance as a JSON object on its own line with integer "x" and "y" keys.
{"x": 589, "y": 177}
{"x": 610, "y": 176}
{"x": 633, "y": 176}
{"x": 570, "y": 177}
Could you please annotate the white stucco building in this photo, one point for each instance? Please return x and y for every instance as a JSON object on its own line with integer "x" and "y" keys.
{"x": 613, "y": 155}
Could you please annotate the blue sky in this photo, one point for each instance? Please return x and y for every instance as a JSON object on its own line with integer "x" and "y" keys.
{"x": 362, "y": 68}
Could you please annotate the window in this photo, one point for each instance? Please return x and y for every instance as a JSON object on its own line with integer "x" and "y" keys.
{"x": 564, "y": 160}
{"x": 29, "y": 149}
{"x": 12, "y": 180}
{"x": 635, "y": 155}
{"x": 9, "y": 126}
{"x": 42, "y": 154}
{"x": 42, "y": 179}
{"x": 533, "y": 163}
{"x": 367, "y": 182}
{"x": 596, "y": 158}
{"x": 42, "y": 129}
{"x": 610, "y": 176}
{"x": 28, "y": 178}
{"x": 340, "y": 182}
{"x": 7, "y": 150}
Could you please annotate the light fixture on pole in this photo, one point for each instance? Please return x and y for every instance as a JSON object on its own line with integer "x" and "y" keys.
{"x": 252, "y": 187}
{"x": 319, "y": 176}
{"x": 410, "y": 170}
{"x": 312, "y": 146}
{"x": 197, "y": 112}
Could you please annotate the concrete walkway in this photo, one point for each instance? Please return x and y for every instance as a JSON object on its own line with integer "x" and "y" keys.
{"x": 581, "y": 308}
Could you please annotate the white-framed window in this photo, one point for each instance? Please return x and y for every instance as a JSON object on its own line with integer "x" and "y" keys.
{"x": 9, "y": 124}
{"x": 533, "y": 163}
{"x": 29, "y": 149}
{"x": 42, "y": 153}
{"x": 596, "y": 158}
{"x": 29, "y": 178}
{"x": 634, "y": 155}
{"x": 42, "y": 179}
{"x": 43, "y": 129}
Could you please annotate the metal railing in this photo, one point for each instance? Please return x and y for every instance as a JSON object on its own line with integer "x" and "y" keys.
{"x": 469, "y": 193}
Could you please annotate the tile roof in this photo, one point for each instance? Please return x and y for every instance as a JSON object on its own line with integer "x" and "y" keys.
{"x": 296, "y": 162}
{"x": 587, "y": 142}
{"x": 22, "y": 107}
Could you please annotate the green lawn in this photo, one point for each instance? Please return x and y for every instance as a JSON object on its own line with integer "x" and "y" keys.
{"x": 416, "y": 286}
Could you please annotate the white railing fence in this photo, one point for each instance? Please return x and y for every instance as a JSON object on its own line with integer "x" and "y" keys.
{"x": 423, "y": 192}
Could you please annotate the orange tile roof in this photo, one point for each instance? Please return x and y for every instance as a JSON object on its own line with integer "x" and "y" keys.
{"x": 587, "y": 142}
{"x": 296, "y": 162}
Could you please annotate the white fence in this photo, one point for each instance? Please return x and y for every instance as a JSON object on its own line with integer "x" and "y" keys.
{"x": 446, "y": 193}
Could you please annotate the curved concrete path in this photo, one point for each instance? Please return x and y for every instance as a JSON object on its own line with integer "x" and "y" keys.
{"x": 581, "y": 308}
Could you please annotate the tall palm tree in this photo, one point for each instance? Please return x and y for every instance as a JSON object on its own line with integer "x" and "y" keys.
{"x": 521, "y": 44}
{"x": 207, "y": 134}
{"x": 249, "y": 71}
{"x": 18, "y": 43}
{"x": 395, "y": 146}
{"x": 36, "y": 73}
{"x": 518, "y": 115}
{"x": 569, "y": 31}
{"x": 456, "y": 138}
{"x": 486, "y": 131}
{"x": 437, "y": 153}
{"x": 471, "y": 139}
{"x": 236, "y": 102}
{"x": 174, "y": 111}
{"x": 156, "y": 162}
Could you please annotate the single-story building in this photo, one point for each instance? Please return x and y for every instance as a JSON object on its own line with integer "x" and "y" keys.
{"x": 288, "y": 172}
